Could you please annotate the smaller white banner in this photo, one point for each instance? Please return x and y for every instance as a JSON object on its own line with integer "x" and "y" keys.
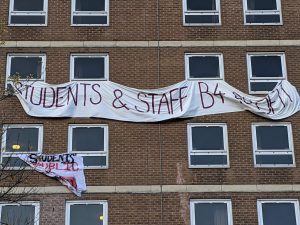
{"x": 67, "y": 168}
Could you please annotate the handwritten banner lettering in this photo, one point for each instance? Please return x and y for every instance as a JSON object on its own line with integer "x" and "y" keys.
{"x": 106, "y": 99}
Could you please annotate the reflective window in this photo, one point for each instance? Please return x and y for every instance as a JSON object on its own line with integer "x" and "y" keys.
{"x": 23, "y": 213}
{"x": 89, "y": 12}
{"x": 273, "y": 144}
{"x": 204, "y": 12}
{"x": 87, "y": 213}
{"x": 211, "y": 212}
{"x": 204, "y": 66}
{"x": 208, "y": 145}
{"x": 266, "y": 12}
{"x": 28, "y": 13}
{"x": 91, "y": 142}
{"x": 278, "y": 212}
{"x": 265, "y": 70}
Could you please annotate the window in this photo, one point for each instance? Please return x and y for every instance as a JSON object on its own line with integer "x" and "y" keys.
{"x": 87, "y": 213}
{"x": 278, "y": 212}
{"x": 208, "y": 145}
{"x": 91, "y": 142}
{"x": 204, "y": 66}
{"x": 212, "y": 212}
{"x": 266, "y": 12}
{"x": 265, "y": 70}
{"x": 89, "y": 12}
{"x": 204, "y": 12}
{"x": 28, "y": 13}
{"x": 26, "y": 213}
{"x": 272, "y": 144}
{"x": 26, "y": 66}
{"x": 19, "y": 139}
{"x": 89, "y": 67}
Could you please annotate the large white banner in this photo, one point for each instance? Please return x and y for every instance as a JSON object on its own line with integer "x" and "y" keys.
{"x": 67, "y": 168}
{"x": 106, "y": 99}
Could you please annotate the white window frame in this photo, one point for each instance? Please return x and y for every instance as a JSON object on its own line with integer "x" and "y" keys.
{"x": 187, "y": 65}
{"x": 34, "y": 203}
{"x": 89, "y": 13}
{"x": 270, "y": 152}
{"x": 24, "y": 126}
{"x": 187, "y": 12}
{"x": 262, "y": 201}
{"x": 208, "y": 152}
{"x": 265, "y": 79}
{"x": 90, "y": 153}
{"x": 15, "y": 55}
{"x": 87, "y": 202}
{"x": 262, "y": 12}
{"x": 28, "y": 13}
{"x": 225, "y": 201}
{"x": 91, "y": 55}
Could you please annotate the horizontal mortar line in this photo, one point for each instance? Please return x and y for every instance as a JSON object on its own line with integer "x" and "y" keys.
{"x": 150, "y": 189}
{"x": 147, "y": 44}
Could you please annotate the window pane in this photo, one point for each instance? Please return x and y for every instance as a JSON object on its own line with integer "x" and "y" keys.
{"x": 89, "y": 68}
{"x": 261, "y": 5}
{"x": 211, "y": 214}
{"x": 272, "y": 137}
{"x": 266, "y": 66}
{"x": 27, "y": 138}
{"x": 207, "y": 138}
{"x": 204, "y": 66}
{"x": 279, "y": 214}
{"x": 13, "y": 162}
{"x": 28, "y": 5}
{"x": 17, "y": 215}
{"x": 90, "y": 5}
{"x": 94, "y": 160}
{"x": 26, "y": 66}
{"x": 28, "y": 20}
{"x": 202, "y": 160}
{"x": 88, "y": 139}
{"x": 274, "y": 159}
{"x": 262, "y": 18}
{"x": 87, "y": 214}
{"x": 202, "y": 19}
{"x": 201, "y": 4}
{"x": 89, "y": 19}
{"x": 262, "y": 86}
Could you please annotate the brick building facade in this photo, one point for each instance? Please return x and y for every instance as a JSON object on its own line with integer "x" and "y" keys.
{"x": 148, "y": 178}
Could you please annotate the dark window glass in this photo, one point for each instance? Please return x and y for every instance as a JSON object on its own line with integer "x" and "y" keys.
{"x": 261, "y": 5}
{"x": 279, "y": 214}
{"x": 211, "y": 214}
{"x": 207, "y": 138}
{"x": 262, "y": 18}
{"x": 94, "y": 160}
{"x": 204, "y": 66}
{"x": 27, "y": 19}
{"x": 89, "y": 19}
{"x": 262, "y": 86}
{"x": 274, "y": 159}
{"x": 11, "y": 161}
{"x": 88, "y": 139}
{"x": 89, "y": 68}
{"x": 210, "y": 19}
{"x": 90, "y": 5}
{"x": 87, "y": 214}
{"x": 266, "y": 66}
{"x": 17, "y": 215}
{"x": 27, "y": 138}
{"x": 199, "y": 160}
{"x": 26, "y": 66}
{"x": 28, "y": 5}
{"x": 201, "y": 4}
{"x": 272, "y": 137}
